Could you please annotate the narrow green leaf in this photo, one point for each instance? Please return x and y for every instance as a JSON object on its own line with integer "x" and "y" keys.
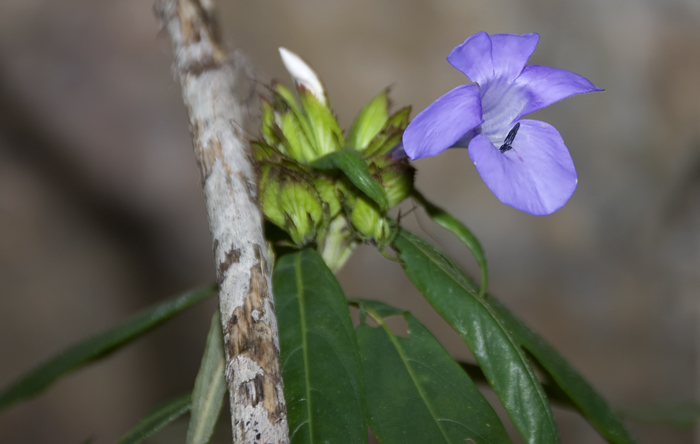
{"x": 379, "y": 308}
{"x": 355, "y": 168}
{"x": 553, "y": 392}
{"x": 447, "y": 221}
{"x": 369, "y": 122}
{"x": 416, "y": 393}
{"x": 98, "y": 347}
{"x": 505, "y": 365}
{"x": 209, "y": 387}
{"x": 587, "y": 400}
{"x": 156, "y": 419}
{"x": 320, "y": 359}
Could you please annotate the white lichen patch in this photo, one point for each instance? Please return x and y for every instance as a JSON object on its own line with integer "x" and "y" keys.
{"x": 257, "y": 427}
{"x": 254, "y": 420}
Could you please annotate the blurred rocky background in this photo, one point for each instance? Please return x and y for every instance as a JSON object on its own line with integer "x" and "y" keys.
{"x": 101, "y": 211}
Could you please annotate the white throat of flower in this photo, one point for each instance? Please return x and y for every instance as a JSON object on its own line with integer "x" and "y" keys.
{"x": 501, "y": 103}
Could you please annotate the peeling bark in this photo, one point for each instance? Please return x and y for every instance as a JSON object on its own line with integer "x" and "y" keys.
{"x": 211, "y": 89}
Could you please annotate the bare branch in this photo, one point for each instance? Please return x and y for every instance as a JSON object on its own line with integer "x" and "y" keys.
{"x": 213, "y": 89}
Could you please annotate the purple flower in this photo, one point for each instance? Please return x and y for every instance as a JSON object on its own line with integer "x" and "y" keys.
{"x": 524, "y": 162}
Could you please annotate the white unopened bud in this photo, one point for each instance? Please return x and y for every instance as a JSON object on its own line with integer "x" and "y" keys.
{"x": 303, "y": 75}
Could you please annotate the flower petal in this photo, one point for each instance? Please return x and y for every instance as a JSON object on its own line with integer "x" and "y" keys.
{"x": 510, "y": 53}
{"x": 303, "y": 74}
{"x": 547, "y": 85}
{"x": 473, "y": 58}
{"x": 537, "y": 176}
{"x": 442, "y": 123}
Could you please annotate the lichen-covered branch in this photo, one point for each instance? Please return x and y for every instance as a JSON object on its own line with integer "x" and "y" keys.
{"x": 213, "y": 89}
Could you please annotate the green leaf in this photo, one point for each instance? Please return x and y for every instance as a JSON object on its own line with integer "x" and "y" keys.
{"x": 98, "y": 347}
{"x": 320, "y": 359}
{"x": 448, "y": 222}
{"x": 416, "y": 392}
{"x": 355, "y": 168}
{"x": 585, "y": 398}
{"x": 553, "y": 392}
{"x": 209, "y": 387}
{"x": 369, "y": 122}
{"x": 156, "y": 419}
{"x": 505, "y": 365}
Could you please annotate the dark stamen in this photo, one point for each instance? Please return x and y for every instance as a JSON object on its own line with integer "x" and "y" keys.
{"x": 508, "y": 143}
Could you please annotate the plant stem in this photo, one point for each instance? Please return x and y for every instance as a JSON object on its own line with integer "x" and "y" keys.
{"x": 214, "y": 88}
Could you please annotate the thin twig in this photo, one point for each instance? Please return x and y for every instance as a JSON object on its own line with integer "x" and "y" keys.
{"x": 214, "y": 89}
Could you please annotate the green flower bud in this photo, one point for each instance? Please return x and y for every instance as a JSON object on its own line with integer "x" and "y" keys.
{"x": 400, "y": 118}
{"x": 347, "y": 192}
{"x": 302, "y": 209}
{"x": 326, "y": 134}
{"x": 296, "y": 141}
{"x": 268, "y": 129}
{"x": 396, "y": 177}
{"x": 367, "y": 220}
{"x": 384, "y": 233}
{"x": 365, "y": 216}
{"x": 390, "y": 135}
{"x": 327, "y": 190}
{"x": 324, "y": 203}
{"x": 338, "y": 243}
{"x": 269, "y": 190}
{"x": 289, "y": 200}
{"x": 369, "y": 122}
{"x": 320, "y": 124}
{"x": 284, "y": 98}
{"x": 304, "y": 76}
{"x": 264, "y": 152}
{"x": 310, "y": 131}
{"x": 295, "y": 127}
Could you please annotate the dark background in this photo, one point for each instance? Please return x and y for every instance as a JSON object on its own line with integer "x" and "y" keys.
{"x": 101, "y": 210}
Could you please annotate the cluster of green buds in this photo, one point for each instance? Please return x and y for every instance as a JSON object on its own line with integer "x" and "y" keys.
{"x": 321, "y": 186}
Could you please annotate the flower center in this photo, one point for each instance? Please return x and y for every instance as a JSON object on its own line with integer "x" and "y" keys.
{"x": 501, "y": 102}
